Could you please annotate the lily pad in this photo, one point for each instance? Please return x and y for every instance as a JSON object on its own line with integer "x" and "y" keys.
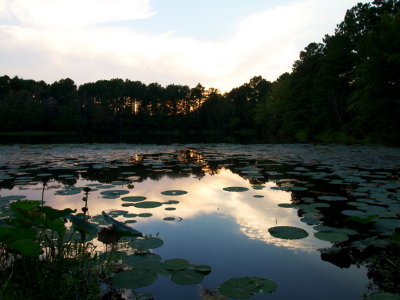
{"x": 128, "y": 173}
{"x": 67, "y": 192}
{"x": 174, "y": 192}
{"x": 144, "y": 215}
{"x": 288, "y": 232}
{"x": 117, "y": 182}
{"x": 133, "y": 198}
{"x": 235, "y": 189}
{"x": 384, "y": 296}
{"x": 332, "y": 198}
{"x": 203, "y": 269}
{"x": 130, "y": 221}
{"x": 170, "y": 208}
{"x": 176, "y": 264}
{"x": 286, "y": 205}
{"x": 330, "y": 236}
{"x": 147, "y": 204}
{"x": 246, "y": 287}
{"x": 12, "y": 198}
{"x": 187, "y": 277}
{"x": 170, "y": 202}
{"x": 169, "y": 219}
{"x": 114, "y": 192}
{"x": 138, "y": 260}
{"x": 258, "y": 187}
{"x": 146, "y": 243}
{"x": 134, "y": 279}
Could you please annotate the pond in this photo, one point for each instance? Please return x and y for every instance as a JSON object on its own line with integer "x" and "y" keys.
{"x": 315, "y": 219}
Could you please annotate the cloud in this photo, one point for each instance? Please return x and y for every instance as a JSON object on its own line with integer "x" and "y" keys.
{"x": 74, "y": 13}
{"x": 66, "y": 35}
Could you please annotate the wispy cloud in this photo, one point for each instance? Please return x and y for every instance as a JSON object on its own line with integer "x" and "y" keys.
{"x": 61, "y": 38}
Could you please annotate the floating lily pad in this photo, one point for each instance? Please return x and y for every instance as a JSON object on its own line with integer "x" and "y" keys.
{"x": 130, "y": 215}
{"x": 133, "y": 198}
{"x": 174, "y": 192}
{"x": 235, "y": 189}
{"x": 298, "y": 188}
{"x": 144, "y": 215}
{"x": 93, "y": 184}
{"x": 332, "y": 198}
{"x": 330, "y": 236}
{"x": 203, "y": 269}
{"x": 130, "y": 221}
{"x": 134, "y": 278}
{"x": 44, "y": 175}
{"x": 258, "y": 187}
{"x": 110, "y": 197}
{"x": 67, "y": 192}
{"x": 169, "y": 219}
{"x": 353, "y": 212}
{"x": 176, "y": 264}
{"x": 146, "y": 243}
{"x": 384, "y": 296}
{"x": 320, "y": 205}
{"x": 258, "y": 196}
{"x": 170, "y": 202}
{"x": 147, "y": 204}
{"x": 128, "y": 173}
{"x": 286, "y": 205}
{"x": 246, "y": 287}
{"x": 187, "y": 277}
{"x": 170, "y": 208}
{"x": 114, "y": 192}
{"x": 119, "y": 182}
{"x": 288, "y": 232}
{"x": 139, "y": 260}
{"x": 12, "y": 198}
{"x": 310, "y": 220}
{"x": 106, "y": 186}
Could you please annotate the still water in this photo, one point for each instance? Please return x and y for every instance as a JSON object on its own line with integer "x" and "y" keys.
{"x": 206, "y": 221}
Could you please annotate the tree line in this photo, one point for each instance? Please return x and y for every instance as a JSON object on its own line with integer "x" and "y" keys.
{"x": 344, "y": 89}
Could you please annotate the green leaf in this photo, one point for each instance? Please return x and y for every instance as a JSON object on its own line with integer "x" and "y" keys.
{"x": 288, "y": 232}
{"x": 246, "y": 287}
{"x": 330, "y": 236}
{"x": 134, "y": 279}
{"x": 174, "y": 192}
{"x": 121, "y": 227}
{"x": 5, "y": 233}
{"x": 133, "y": 198}
{"x": 146, "y": 243}
{"x": 27, "y": 247}
{"x": 203, "y": 269}
{"x": 147, "y": 204}
{"x": 140, "y": 260}
{"x": 52, "y": 213}
{"x": 176, "y": 264}
{"x": 235, "y": 189}
{"x": 384, "y": 296}
{"x": 363, "y": 220}
{"x": 187, "y": 277}
{"x": 57, "y": 226}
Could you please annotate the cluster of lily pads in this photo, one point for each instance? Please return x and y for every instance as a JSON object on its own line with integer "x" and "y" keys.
{"x": 349, "y": 195}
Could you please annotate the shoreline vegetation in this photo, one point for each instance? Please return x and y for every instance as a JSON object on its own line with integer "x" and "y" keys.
{"x": 344, "y": 90}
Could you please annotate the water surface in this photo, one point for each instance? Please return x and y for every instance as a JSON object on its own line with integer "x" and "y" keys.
{"x": 228, "y": 230}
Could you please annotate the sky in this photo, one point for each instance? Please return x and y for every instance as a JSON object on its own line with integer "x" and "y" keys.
{"x": 218, "y": 43}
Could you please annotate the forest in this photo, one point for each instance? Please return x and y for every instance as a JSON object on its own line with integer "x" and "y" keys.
{"x": 345, "y": 89}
